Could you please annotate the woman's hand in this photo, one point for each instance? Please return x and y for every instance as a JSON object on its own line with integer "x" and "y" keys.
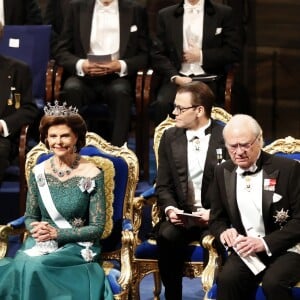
{"x": 43, "y": 232}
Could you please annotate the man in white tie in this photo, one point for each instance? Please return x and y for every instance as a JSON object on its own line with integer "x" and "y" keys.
{"x": 102, "y": 46}
{"x": 255, "y": 210}
{"x": 187, "y": 156}
{"x": 196, "y": 39}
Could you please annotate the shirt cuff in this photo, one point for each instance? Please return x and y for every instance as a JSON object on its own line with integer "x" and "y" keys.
{"x": 173, "y": 78}
{"x": 123, "y": 71}
{"x": 201, "y": 58}
{"x": 5, "y": 132}
{"x": 79, "y": 70}
{"x": 269, "y": 253}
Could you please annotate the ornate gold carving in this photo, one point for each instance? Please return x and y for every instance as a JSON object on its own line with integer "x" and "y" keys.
{"x": 286, "y": 145}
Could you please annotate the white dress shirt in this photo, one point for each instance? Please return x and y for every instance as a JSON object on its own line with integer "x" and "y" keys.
{"x": 249, "y": 200}
{"x": 105, "y": 34}
{"x": 2, "y": 19}
{"x": 196, "y": 152}
{"x": 193, "y": 35}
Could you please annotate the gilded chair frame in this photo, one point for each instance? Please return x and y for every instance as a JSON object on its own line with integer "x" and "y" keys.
{"x": 143, "y": 267}
{"x": 124, "y": 254}
{"x": 287, "y": 145}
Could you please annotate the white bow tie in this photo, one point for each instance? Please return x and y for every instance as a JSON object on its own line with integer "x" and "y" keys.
{"x": 107, "y": 9}
{"x": 196, "y": 9}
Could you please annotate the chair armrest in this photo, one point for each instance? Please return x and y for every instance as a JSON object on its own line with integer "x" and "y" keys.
{"x": 18, "y": 223}
{"x": 126, "y": 259}
{"x": 138, "y": 204}
{"x": 15, "y": 227}
{"x": 148, "y": 193}
{"x": 214, "y": 262}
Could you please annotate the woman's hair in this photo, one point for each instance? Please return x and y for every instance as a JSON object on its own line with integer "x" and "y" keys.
{"x": 73, "y": 121}
{"x": 201, "y": 95}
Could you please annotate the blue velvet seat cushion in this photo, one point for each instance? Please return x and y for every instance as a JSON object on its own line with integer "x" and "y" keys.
{"x": 212, "y": 293}
{"x": 149, "y": 250}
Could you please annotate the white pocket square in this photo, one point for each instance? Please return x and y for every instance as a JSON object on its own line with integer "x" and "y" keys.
{"x": 133, "y": 28}
{"x": 219, "y": 30}
{"x": 276, "y": 197}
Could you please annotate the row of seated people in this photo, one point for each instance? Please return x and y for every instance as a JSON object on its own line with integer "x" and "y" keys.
{"x": 252, "y": 213}
{"x": 176, "y": 58}
{"x": 243, "y": 141}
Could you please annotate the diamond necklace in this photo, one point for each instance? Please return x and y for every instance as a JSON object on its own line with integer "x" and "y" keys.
{"x": 62, "y": 173}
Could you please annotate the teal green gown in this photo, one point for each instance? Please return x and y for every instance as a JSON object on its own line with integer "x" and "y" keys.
{"x": 63, "y": 274}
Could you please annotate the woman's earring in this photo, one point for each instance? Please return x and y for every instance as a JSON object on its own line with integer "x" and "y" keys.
{"x": 74, "y": 149}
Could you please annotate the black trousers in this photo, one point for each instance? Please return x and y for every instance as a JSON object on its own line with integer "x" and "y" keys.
{"x": 172, "y": 241}
{"x": 7, "y": 152}
{"x": 115, "y": 91}
{"x": 236, "y": 281}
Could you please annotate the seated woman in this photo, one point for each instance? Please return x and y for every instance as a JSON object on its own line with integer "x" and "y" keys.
{"x": 65, "y": 214}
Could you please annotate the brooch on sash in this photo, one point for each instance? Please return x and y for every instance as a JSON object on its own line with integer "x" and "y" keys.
{"x": 86, "y": 184}
{"x": 40, "y": 180}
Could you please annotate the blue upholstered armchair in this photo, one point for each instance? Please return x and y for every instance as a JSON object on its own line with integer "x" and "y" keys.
{"x": 288, "y": 147}
{"x": 145, "y": 250}
{"x": 120, "y": 168}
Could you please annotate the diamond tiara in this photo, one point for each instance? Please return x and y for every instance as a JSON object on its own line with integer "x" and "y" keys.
{"x": 59, "y": 110}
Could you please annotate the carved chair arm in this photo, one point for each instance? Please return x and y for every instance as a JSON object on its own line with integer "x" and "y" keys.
{"x": 214, "y": 262}
{"x": 9, "y": 230}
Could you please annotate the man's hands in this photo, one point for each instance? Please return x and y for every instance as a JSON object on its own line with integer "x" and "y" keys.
{"x": 100, "y": 69}
{"x": 243, "y": 245}
{"x": 43, "y": 232}
{"x": 192, "y": 54}
{"x": 174, "y": 218}
{"x": 182, "y": 80}
{"x": 183, "y": 220}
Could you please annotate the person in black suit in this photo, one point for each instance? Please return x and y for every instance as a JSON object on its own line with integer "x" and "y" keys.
{"x": 21, "y": 12}
{"x": 117, "y": 28}
{"x": 255, "y": 211}
{"x": 187, "y": 157}
{"x": 55, "y": 11}
{"x": 17, "y": 106}
{"x": 194, "y": 39}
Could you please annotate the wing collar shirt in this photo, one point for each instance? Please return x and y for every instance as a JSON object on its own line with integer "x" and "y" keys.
{"x": 249, "y": 200}
{"x": 193, "y": 35}
{"x": 105, "y": 33}
{"x": 198, "y": 142}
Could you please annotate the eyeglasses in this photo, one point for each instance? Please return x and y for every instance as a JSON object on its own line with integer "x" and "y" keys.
{"x": 181, "y": 109}
{"x": 243, "y": 147}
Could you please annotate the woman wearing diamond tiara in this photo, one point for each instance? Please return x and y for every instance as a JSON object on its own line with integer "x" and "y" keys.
{"x": 65, "y": 213}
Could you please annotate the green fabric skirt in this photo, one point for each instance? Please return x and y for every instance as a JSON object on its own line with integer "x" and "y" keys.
{"x": 61, "y": 275}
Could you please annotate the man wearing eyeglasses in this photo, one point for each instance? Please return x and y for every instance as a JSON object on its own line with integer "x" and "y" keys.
{"x": 255, "y": 211}
{"x": 187, "y": 156}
